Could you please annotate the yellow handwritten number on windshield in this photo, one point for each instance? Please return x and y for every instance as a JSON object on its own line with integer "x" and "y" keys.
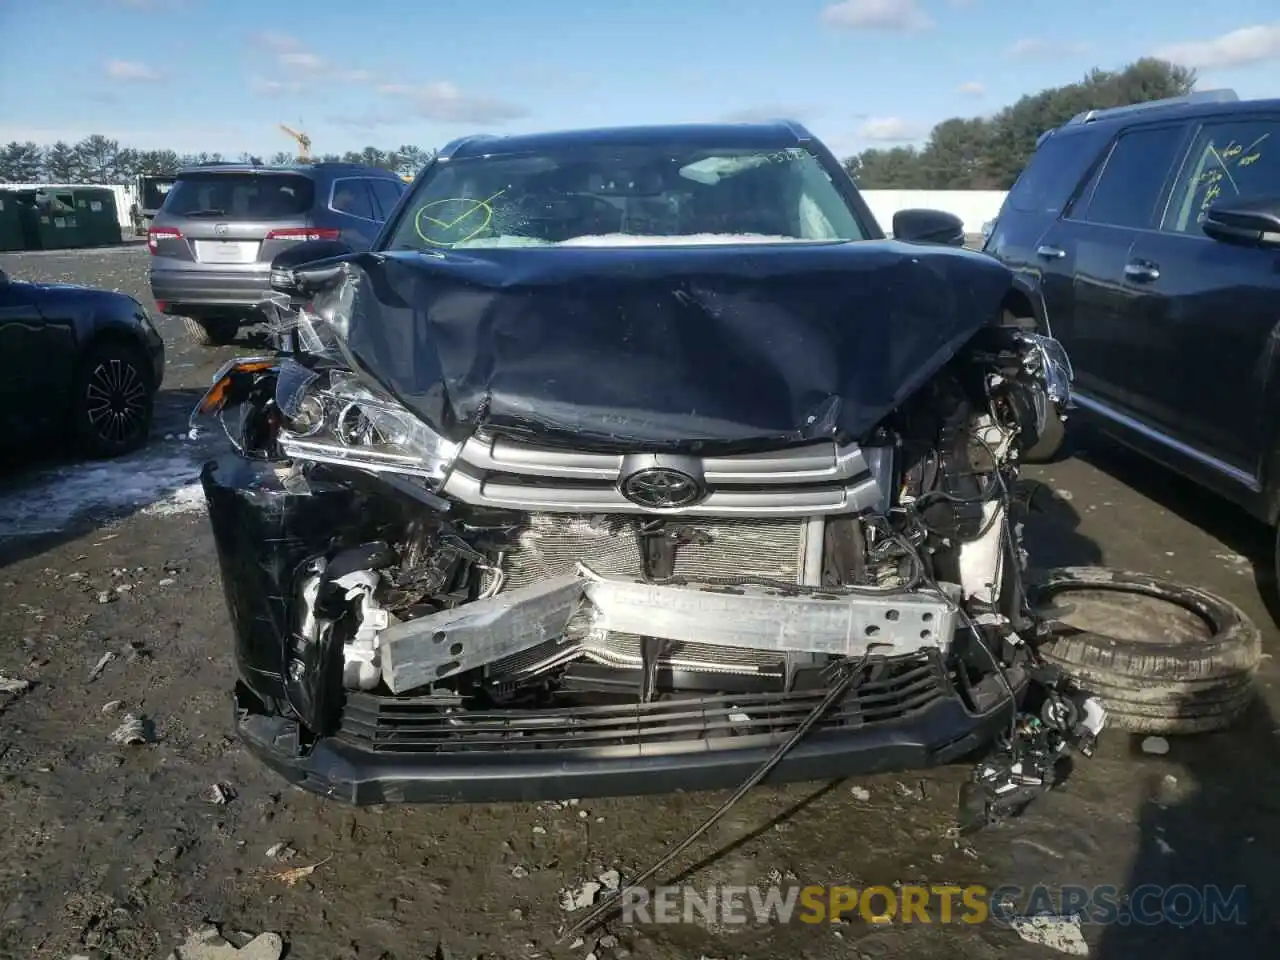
{"x": 466, "y": 219}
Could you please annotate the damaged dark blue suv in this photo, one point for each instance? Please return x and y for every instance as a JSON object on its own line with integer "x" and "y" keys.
{"x": 624, "y": 459}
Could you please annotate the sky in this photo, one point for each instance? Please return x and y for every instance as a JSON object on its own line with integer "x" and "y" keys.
{"x": 221, "y": 75}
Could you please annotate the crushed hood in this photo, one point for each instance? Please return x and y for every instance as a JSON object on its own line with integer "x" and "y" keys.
{"x": 666, "y": 347}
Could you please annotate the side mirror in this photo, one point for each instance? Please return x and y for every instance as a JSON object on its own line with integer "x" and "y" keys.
{"x": 1252, "y": 223}
{"x": 928, "y": 226}
{"x": 284, "y": 278}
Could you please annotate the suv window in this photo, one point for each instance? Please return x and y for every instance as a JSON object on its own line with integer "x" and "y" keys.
{"x": 1053, "y": 173}
{"x": 351, "y": 196}
{"x": 1229, "y": 161}
{"x": 240, "y": 196}
{"x": 1132, "y": 178}
{"x": 639, "y": 194}
{"x": 386, "y": 193}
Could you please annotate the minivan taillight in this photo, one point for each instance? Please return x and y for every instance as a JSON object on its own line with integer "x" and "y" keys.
{"x": 156, "y": 234}
{"x": 305, "y": 233}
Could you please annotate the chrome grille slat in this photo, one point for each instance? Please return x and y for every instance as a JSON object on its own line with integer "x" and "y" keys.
{"x": 810, "y": 480}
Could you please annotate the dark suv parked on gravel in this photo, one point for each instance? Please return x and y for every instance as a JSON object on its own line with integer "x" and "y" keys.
{"x": 1153, "y": 233}
{"x": 221, "y": 225}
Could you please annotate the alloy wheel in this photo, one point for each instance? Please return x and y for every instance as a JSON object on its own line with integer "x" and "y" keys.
{"x": 116, "y": 401}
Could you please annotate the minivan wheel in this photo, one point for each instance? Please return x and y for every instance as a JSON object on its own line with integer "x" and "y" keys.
{"x": 1162, "y": 656}
{"x": 211, "y": 331}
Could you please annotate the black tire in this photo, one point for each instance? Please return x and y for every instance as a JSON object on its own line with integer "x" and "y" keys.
{"x": 113, "y": 400}
{"x": 1049, "y": 444}
{"x": 1162, "y": 656}
{"x": 211, "y": 331}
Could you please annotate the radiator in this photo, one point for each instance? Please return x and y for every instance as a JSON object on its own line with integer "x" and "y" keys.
{"x": 553, "y": 544}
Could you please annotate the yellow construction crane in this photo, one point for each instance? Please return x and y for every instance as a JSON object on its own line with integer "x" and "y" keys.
{"x": 304, "y": 143}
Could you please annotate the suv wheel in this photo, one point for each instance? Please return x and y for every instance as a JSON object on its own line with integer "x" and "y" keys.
{"x": 113, "y": 401}
{"x": 211, "y": 331}
{"x": 1049, "y": 444}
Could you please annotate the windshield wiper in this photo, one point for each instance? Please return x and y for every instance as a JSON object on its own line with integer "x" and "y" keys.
{"x": 208, "y": 212}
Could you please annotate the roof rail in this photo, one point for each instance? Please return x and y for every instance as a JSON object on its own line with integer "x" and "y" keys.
{"x": 1200, "y": 96}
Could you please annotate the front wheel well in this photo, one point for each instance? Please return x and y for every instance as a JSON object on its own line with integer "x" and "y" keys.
{"x": 1017, "y": 307}
{"x": 112, "y": 337}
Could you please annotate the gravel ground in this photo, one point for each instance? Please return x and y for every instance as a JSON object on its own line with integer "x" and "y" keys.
{"x": 112, "y": 607}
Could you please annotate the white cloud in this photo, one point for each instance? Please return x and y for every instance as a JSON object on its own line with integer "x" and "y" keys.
{"x": 274, "y": 40}
{"x": 1239, "y": 47}
{"x": 1036, "y": 47}
{"x": 889, "y": 130}
{"x": 444, "y": 102}
{"x": 297, "y": 66}
{"x": 301, "y": 60}
{"x": 290, "y": 54}
{"x": 767, "y": 112}
{"x": 971, "y": 89}
{"x": 131, "y": 70}
{"x": 275, "y": 88}
{"x": 152, "y": 5}
{"x": 877, "y": 15}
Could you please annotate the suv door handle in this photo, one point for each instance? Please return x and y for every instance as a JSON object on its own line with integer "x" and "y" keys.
{"x": 1050, "y": 253}
{"x": 1142, "y": 271}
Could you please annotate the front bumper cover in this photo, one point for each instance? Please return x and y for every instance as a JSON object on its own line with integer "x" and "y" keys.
{"x": 942, "y": 732}
{"x": 410, "y": 749}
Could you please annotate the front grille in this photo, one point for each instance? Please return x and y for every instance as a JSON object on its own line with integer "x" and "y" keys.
{"x": 812, "y": 480}
{"x": 889, "y": 691}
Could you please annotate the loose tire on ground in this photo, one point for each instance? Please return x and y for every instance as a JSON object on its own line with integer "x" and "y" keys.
{"x": 1162, "y": 656}
{"x": 210, "y": 331}
{"x": 112, "y": 401}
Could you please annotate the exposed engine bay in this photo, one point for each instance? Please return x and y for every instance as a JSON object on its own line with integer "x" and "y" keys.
{"x": 497, "y": 601}
{"x": 482, "y": 587}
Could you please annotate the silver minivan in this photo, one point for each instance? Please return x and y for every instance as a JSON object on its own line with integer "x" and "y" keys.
{"x": 221, "y": 225}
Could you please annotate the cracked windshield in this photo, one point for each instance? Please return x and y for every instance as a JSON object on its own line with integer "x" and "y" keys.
{"x": 731, "y": 480}
{"x": 633, "y": 194}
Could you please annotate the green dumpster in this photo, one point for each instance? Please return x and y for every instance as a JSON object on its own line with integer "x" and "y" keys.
{"x": 96, "y": 214}
{"x": 10, "y": 222}
{"x": 57, "y": 224}
{"x": 24, "y": 202}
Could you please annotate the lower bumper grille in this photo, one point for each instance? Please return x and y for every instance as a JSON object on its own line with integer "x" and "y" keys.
{"x": 890, "y": 691}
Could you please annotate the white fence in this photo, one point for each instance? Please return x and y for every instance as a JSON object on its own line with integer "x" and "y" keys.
{"x": 974, "y": 207}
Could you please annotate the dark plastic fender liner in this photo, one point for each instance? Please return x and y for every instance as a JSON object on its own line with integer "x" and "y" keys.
{"x": 264, "y": 533}
{"x": 941, "y": 733}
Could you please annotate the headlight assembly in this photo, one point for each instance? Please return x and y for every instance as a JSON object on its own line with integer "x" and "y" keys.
{"x": 1045, "y": 358}
{"x": 334, "y": 417}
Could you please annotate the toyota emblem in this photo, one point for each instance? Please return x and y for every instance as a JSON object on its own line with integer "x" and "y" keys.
{"x": 221, "y": 230}
{"x": 661, "y": 488}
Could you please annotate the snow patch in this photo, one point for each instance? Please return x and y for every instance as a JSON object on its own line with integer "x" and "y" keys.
{"x": 1057, "y": 933}
{"x": 50, "y": 501}
{"x": 188, "y": 499}
{"x": 636, "y": 240}
{"x": 691, "y": 239}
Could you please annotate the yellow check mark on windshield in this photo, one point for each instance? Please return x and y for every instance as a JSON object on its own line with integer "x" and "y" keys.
{"x": 482, "y": 205}
{"x": 438, "y": 225}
